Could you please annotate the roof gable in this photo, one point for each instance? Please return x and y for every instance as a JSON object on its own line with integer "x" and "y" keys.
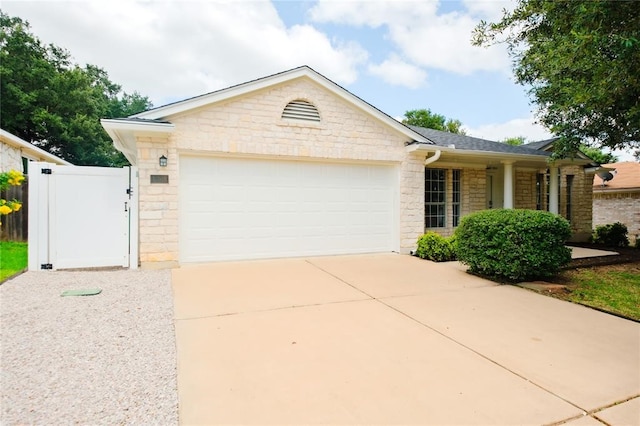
{"x": 181, "y": 107}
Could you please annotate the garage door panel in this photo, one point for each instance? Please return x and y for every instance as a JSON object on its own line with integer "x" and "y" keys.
{"x": 249, "y": 208}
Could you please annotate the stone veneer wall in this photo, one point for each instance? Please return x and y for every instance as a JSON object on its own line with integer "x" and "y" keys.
{"x": 158, "y": 214}
{"x": 10, "y": 158}
{"x": 251, "y": 125}
{"x": 525, "y": 189}
{"x": 582, "y": 201}
{"x": 624, "y": 207}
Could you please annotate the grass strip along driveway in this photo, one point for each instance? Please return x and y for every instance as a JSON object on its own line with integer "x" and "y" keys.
{"x": 613, "y": 288}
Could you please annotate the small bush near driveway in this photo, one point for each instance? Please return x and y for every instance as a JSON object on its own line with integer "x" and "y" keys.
{"x": 435, "y": 247}
{"x": 513, "y": 245}
{"x": 613, "y": 235}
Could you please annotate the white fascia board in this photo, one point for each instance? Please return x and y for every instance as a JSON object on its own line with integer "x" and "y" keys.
{"x": 428, "y": 148}
{"x": 137, "y": 126}
{"x": 31, "y": 151}
{"x": 252, "y": 86}
{"x": 596, "y": 169}
{"x": 423, "y": 148}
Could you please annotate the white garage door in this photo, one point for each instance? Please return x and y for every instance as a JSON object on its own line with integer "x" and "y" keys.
{"x": 250, "y": 209}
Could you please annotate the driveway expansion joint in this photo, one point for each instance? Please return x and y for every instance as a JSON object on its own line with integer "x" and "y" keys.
{"x": 280, "y": 308}
{"x": 584, "y": 411}
{"x": 340, "y": 279}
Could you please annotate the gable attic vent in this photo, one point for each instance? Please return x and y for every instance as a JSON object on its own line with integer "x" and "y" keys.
{"x": 301, "y": 110}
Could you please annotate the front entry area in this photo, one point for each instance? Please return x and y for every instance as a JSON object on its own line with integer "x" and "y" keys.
{"x": 248, "y": 208}
{"x": 495, "y": 187}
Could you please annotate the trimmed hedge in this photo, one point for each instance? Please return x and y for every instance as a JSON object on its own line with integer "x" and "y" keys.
{"x": 513, "y": 245}
{"x": 435, "y": 247}
{"x": 613, "y": 234}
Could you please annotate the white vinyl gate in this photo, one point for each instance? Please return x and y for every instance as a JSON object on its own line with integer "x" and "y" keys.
{"x": 82, "y": 217}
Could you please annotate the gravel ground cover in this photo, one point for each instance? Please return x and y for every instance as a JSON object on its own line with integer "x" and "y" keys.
{"x": 104, "y": 359}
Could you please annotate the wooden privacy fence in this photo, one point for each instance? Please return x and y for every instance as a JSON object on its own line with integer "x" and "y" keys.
{"x": 15, "y": 225}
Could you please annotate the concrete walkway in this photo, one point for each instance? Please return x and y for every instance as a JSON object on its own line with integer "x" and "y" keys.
{"x": 582, "y": 252}
{"x": 390, "y": 339}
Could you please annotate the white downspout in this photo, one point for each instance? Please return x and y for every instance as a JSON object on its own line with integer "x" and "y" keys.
{"x": 433, "y": 158}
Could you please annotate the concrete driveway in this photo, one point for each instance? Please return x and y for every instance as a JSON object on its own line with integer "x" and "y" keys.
{"x": 390, "y": 339}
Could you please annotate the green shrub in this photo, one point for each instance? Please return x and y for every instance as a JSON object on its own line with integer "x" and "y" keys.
{"x": 435, "y": 247}
{"x": 513, "y": 245}
{"x": 613, "y": 234}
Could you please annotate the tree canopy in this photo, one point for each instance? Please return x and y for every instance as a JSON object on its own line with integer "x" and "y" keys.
{"x": 598, "y": 155}
{"x": 515, "y": 141}
{"x": 580, "y": 61}
{"x": 56, "y": 104}
{"x": 430, "y": 120}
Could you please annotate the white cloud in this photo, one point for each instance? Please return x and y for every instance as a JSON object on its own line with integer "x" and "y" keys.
{"x": 513, "y": 128}
{"x": 173, "y": 50}
{"x": 428, "y": 39}
{"x": 624, "y": 155}
{"x": 372, "y": 13}
{"x": 490, "y": 10}
{"x": 444, "y": 43}
{"x": 397, "y": 72}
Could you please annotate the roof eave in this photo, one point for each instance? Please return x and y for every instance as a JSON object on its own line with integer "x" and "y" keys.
{"x": 419, "y": 148}
{"x": 608, "y": 190}
{"x": 123, "y": 134}
{"x": 31, "y": 149}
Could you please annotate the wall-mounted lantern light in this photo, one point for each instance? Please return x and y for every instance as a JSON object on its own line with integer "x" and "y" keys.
{"x": 163, "y": 161}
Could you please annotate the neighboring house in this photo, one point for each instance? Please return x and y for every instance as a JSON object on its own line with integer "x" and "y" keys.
{"x": 295, "y": 165}
{"x": 15, "y": 153}
{"x": 616, "y": 197}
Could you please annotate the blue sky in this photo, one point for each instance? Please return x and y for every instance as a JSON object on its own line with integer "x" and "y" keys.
{"x": 396, "y": 55}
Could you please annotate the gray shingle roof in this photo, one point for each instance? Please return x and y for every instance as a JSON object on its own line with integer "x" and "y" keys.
{"x": 470, "y": 143}
{"x": 540, "y": 144}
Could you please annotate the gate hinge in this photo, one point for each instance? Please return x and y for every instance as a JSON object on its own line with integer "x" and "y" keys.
{"x": 129, "y": 191}
{"x": 46, "y": 171}
{"x": 46, "y": 266}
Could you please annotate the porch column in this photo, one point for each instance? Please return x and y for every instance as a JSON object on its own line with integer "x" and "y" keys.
{"x": 508, "y": 184}
{"x": 553, "y": 190}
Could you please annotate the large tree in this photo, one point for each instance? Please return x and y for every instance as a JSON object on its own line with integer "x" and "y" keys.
{"x": 430, "y": 120}
{"x": 55, "y": 104}
{"x": 580, "y": 60}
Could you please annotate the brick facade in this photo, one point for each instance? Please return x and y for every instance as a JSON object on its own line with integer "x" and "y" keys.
{"x": 525, "y": 189}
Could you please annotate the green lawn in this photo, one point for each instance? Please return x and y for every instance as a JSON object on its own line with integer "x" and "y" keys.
{"x": 13, "y": 258}
{"x": 616, "y": 291}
